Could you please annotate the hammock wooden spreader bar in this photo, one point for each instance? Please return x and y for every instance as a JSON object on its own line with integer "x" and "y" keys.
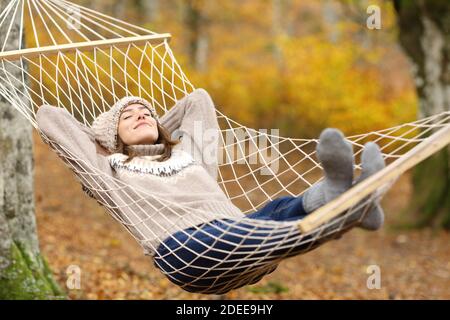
{"x": 83, "y": 46}
{"x": 423, "y": 150}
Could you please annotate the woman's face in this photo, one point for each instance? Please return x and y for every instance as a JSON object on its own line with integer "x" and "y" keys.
{"x": 137, "y": 126}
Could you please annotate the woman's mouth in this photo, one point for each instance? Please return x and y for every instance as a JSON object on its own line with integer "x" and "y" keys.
{"x": 141, "y": 124}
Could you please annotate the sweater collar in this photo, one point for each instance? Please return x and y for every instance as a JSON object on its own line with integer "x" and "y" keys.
{"x": 146, "y": 164}
{"x": 145, "y": 149}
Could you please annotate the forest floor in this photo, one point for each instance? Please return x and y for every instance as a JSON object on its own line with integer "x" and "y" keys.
{"x": 74, "y": 230}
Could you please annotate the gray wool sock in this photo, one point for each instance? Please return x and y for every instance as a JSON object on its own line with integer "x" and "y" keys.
{"x": 336, "y": 157}
{"x": 371, "y": 161}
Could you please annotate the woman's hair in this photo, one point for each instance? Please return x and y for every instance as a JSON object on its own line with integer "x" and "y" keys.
{"x": 163, "y": 138}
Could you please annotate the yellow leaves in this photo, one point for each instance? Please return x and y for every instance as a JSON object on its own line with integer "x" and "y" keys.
{"x": 318, "y": 82}
{"x": 311, "y": 74}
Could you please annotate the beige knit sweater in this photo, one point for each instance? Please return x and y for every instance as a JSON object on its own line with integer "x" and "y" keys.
{"x": 164, "y": 197}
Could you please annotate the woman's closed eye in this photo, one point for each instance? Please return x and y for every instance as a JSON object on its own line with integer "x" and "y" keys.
{"x": 145, "y": 114}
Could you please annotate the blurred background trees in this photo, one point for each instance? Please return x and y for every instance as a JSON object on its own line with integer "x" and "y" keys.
{"x": 294, "y": 65}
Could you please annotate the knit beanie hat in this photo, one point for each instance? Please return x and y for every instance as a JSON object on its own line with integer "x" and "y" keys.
{"x": 106, "y": 124}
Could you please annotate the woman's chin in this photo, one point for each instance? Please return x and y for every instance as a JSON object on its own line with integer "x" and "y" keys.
{"x": 146, "y": 141}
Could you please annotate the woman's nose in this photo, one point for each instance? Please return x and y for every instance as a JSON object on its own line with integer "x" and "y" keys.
{"x": 141, "y": 116}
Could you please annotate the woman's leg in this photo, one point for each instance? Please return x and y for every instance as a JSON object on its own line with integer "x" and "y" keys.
{"x": 223, "y": 255}
{"x": 336, "y": 156}
{"x": 286, "y": 208}
{"x": 213, "y": 257}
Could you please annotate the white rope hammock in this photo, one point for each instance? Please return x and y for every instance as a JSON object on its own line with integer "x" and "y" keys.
{"x": 84, "y": 61}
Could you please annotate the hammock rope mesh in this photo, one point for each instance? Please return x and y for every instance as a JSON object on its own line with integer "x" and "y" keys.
{"x": 81, "y": 60}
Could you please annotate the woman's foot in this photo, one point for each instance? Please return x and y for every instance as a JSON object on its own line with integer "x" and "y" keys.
{"x": 371, "y": 161}
{"x": 336, "y": 157}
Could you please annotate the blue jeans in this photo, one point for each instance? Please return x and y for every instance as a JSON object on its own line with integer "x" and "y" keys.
{"x": 197, "y": 262}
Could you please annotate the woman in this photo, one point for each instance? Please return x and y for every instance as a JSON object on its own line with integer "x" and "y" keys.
{"x": 203, "y": 249}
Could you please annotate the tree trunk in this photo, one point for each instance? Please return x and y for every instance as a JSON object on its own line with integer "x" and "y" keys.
{"x": 331, "y": 19}
{"x": 24, "y": 273}
{"x": 277, "y": 31}
{"x": 425, "y": 36}
{"x": 149, "y": 9}
{"x": 196, "y": 23}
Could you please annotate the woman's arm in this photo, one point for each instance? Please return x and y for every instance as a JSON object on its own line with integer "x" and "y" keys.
{"x": 74, "y": 143}
{"x": 195, "y": 117}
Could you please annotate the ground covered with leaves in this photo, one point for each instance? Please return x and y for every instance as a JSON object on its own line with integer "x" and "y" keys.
{"x": 75, "y": 231}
